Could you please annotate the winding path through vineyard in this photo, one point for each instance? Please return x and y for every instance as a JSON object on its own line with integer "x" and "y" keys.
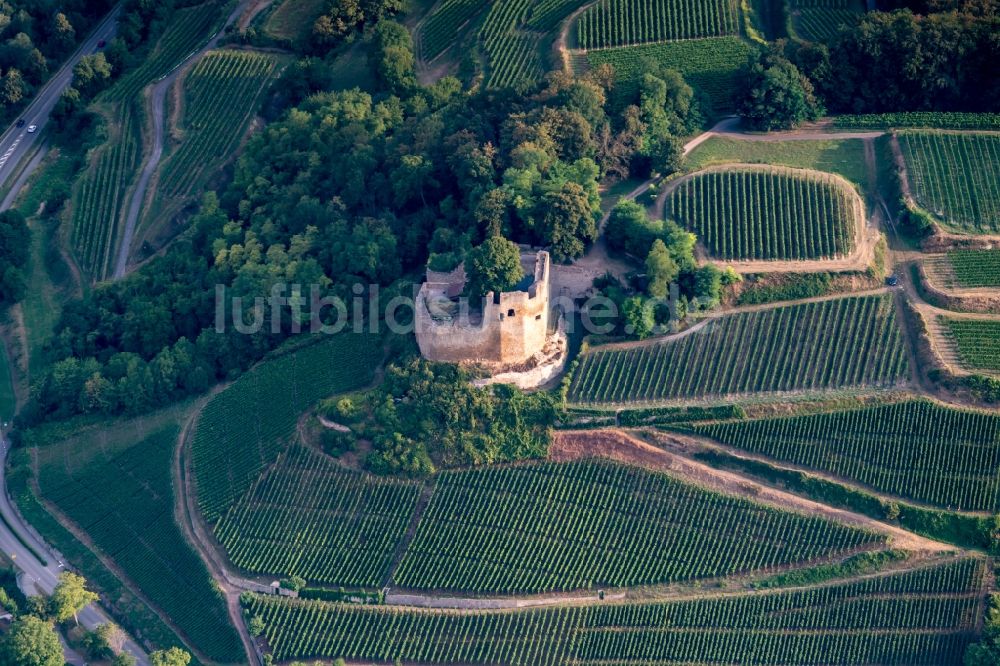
{"x": 158, "y": 96}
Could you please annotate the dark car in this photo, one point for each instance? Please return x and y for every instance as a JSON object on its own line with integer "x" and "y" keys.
{"x": 20, "y": 123}
{"x": 101, "y": 44}
{"x": 892, "y": 281}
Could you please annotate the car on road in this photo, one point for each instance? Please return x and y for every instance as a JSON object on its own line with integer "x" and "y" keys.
{"x": 32, "y": 128}
{"x": 892, "y": 281}
{"x": 101, "y": 44}
{"x": 20, "y": 123}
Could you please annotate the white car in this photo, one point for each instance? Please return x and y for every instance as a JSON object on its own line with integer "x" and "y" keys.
{"x": 32, "y": 128}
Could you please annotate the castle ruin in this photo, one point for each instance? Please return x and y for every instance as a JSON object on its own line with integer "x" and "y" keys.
{"x": 510, "y": 333}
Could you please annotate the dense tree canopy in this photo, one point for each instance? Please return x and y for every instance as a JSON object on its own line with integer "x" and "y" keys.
{"x": 31, "y": 642}
{"x": 902, "y": 61}
{"x": 776, "y": 94}
{"x": 493, "y": 266}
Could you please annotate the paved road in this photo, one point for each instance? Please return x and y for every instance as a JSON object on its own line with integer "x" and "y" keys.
{"x": 38, "y": 576}
{"x": 17, "y": 142}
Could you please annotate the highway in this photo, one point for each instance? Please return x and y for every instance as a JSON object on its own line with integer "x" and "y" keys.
{"x": 17, "y": 142}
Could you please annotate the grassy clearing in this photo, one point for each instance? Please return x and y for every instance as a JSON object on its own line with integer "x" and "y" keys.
{"x": 293, "y": 19}
{"x": 842, "y": 156}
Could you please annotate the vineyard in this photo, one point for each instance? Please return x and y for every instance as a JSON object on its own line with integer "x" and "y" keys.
{"x": 956, "y": 177}
{"x": 221, "y": 95}
{"x": 767, "y": 213}
{"x": 513, "y": 53}
{"x": 712, "y": 65}
{"x": 551, "y": 527}
{"x": 612, "y": 23}
{"x": 975, "y": 268}
{"x": 242, "y": 430}
{"x": 917, "y": 119}
{"x": 439, "y": 30}
{"x": 820, "y": 20}
{"x": 101, "y": 192}
{"x": 312, "y": 518}
{"x": 131, "y": 521}
{"x": 925, "y": 616}
{"x": 99, "y": 197}
{"x": 918, "y": 450}
{"x": 976, "y": 341}
{"x": 188, "y": 29}
{"x": 842, "y": 343}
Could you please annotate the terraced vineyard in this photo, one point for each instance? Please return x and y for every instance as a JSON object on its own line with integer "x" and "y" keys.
{"x": 976, "y": 341}
{"x": 711, "y": 65}
{"x": 313, "y": 518}
{"x": 100, "y": 196}
{"x": 552, "y": 526}
{"x": 976, "y": 268}
{"x": 242, "y": 430}
{"x": 221, "y": 95}
{"x": 926, "y": 616}
{"x": 956, "y": 177}
{"x": 768, "y": 213}
{"x": 611, "y": 23}
{"x": 189, "y": 28}
{"x": 918, "y": 450}
{"x": 820, "y": 20}
{"x": 101, "y": 192}
{"x": 835, "y": 344}
{"x": 131, "y": 521}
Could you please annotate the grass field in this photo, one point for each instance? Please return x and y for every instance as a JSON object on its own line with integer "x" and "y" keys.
{"x": 118, "y": 489}
{"x": 311, "y": 517}
{"x": 845, "y": 343}
{"x": 551, "y": 527}
{"x": 612, "y": 23}
{"x": 709, "y": 64}
{"x": 926, "y": 616}
{"x": 845, "y": 157}
{"x": 293, "y": 19}
{"x": 976, "y": 268}
{"x": 917, "y": 450}
{"x": 956, "y": 177}
{"x": 977, "y": 342}
{"x": 242, "y": 430}
{"x": 745, "y": 213}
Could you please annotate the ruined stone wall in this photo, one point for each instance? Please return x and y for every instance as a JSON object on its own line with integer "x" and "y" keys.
{"x": 511, "y": 331}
